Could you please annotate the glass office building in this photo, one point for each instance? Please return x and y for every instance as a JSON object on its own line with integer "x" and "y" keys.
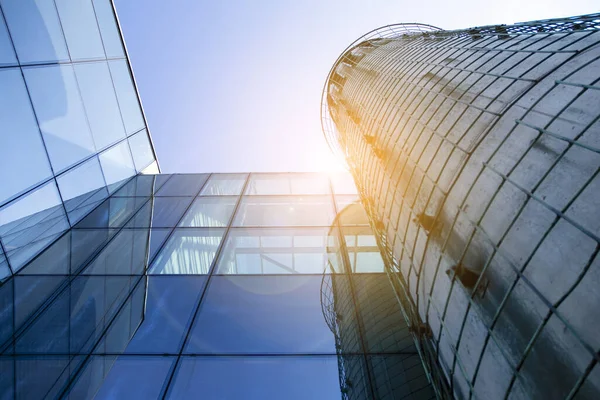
{"x": 213, "y": 286}
{"x": 476, "y": 154}
{"x": 72, "y": 128}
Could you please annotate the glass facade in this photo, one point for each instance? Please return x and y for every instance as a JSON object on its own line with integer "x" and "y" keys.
{"x": 476, "y": 155}
{"x": 73, "y": 129}
{"x": 160, "y": 292}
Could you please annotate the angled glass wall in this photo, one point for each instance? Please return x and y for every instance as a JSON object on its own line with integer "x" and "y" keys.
{"x": 73, "y": 129}
{"x": 158, "y": 293}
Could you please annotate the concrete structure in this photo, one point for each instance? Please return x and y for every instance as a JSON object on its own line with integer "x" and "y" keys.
{"x": 476, "y": 154}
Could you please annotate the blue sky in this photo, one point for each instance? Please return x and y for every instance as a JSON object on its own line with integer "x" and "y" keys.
{"x": 232, "y": 86}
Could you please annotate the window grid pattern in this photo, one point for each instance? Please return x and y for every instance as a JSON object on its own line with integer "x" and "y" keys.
{"x": 90, "y": 304}
{"x": 79, "y": 113}
{"x": 474, "y": 150}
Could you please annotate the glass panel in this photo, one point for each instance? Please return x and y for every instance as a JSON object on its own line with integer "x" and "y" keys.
{"x": 269, "y": 184}
{"x": 100, "y": 103}
{"x": 285, "y": 211}
{"x": 124, "y": 377}
{"x": 277, "y": 314}
{"x": 209, "y": 212}
{"x": 224, "y": 184}
{"x": 117, "y": 165}
{"x": 363, "y": 251}
{"x": 127, "y": 96}
{"x": 35, "y": 376}
{"x": 35, "y": 30}
{"x": 170, "y": 302}
{"x": 79, "y": 25}
{"x": 111, "y": 37}
{"x": 157, "y": 238}
{"x": 141, "y": 150}
{"x": 23, "y": 160}
{"x": 351, "y": 211}
{"x": 161, "y": 212}
{"x": 59, "y": 110}
{"x": 82, "y": 188}
{"x": 290, "y": 378}
{"x": 276, "y": 251}
{"x": 7, "y": 54}
{"x": 183, "y": 185}
{"x": 142, "y": 185}
{"x": 113, "y": 213}
{"x": 400, "y": 377}
{"x": 4, "y": 271}
{"x": 124, "y": 255}
{"x": 343, "y": 183}
{"x": 152, "y": 169}
{"x": 188, "y": 251}
{"x": 30, "y": 223}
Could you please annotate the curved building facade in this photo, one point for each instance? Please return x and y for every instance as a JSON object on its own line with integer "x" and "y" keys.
{"x": 477, "y": 156}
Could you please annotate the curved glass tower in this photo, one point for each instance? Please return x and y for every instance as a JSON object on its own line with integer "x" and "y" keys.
{"x": 476, "y": 153}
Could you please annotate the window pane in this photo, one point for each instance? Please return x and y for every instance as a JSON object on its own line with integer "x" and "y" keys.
{"x": 124, "y": 255}
{"x": 183, "y": 185}
{"x": 58, "y": 107}
{"x": 351, "y": 211}
{"x": 108, "y": 27}
{"x": 209, "y": 212}
{"x": 23, "y": 162}
{"x": 157, "y": 238}
{"x": 277, "y": 314}
{"x": 362, "y": 250}
{"x": 7, "y": 54}
{"x": 128, "y": 100}
{"x": 277, "y": 251}
{"x": 123, "y": 377}
{"x": 4, "y": 273}
{"x": 343, "y": 183}
{"x": 82, "y": 188}
{"x": 224, "y": 184}
{"x": 161, "y": 212}
{"x": 35, "y": 30}
{"x": 79, "y": 25}
{"x": 188, "y": 251}
{"x": 404, "y": 377}
{"x": 113, "y": 213}
{"x": 290, "y": 378}
{"x": 117, "y": 165}
{"x": 100, "y": 103}
{"x": 30, "y": 223}
{"x": 285, "y": 211}
{"x": 271, "y": 184}
{"x": 141, "y": 150}
{"x": 142, "y": 185}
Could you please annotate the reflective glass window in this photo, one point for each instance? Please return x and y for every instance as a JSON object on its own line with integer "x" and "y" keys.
{"x": 123, "y": 377}
{"x": 141, "y": 150}
{"x": 4, "y": 270}
{"x": 170, "y": 303}
{"x": 343, "y": 183}
{"x": 7, "y": 54}
{"x": 290, "y": 378}
{"x": 224, "y": 184}
{"x": 30, "y": 223}
{"x": 23, "y": 160}
{"x": 262, "y": 314}
{"x": 111, "y": 37}
{"x": 209, "y": 212}
{"x": 157, "y": 238}
{"x": 127, "y": 96}
{"x": 34, "y": 376}
{"x": 100, "y": 103}
{"x": 277, "y": 251}
{"x": 183, "y": 185}
{"x": 114, "y": 212}
{"x": 82, "y": 188}
{"x": 404, "y": 377}
{"x": 188, "y": 251}
{"x": 285, "y": 211}
{"x": 35, "y": 30}
{"x": 117, "y": 165}
{"x": 362, "y": 249}
{"x": 124, "y": 255}
{"x": 78, "y": 22}
{"x": 142, "y": 185}
{"x": 161, "y": 212}
{"x": 272, "y": 184}
{"x": 351, "y": 211}
{"x": 59, "y": 110}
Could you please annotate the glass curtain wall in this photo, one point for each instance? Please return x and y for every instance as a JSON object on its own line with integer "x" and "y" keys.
{"x": 213, "y": 285}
